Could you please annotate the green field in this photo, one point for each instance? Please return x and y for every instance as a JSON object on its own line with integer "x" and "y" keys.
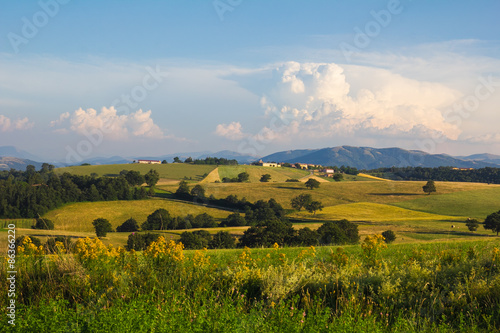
{"x": 475, "y": 203}
{"x": 78, "y": 217}
{"x": 279, "y": 175}
{"x": 175, "y": 171}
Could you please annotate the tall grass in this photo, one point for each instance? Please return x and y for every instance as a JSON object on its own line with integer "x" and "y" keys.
{"x": 430, "y": 287}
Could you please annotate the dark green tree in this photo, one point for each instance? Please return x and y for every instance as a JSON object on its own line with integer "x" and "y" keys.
{"x": 44, "y": 224}
{"x": 265, "y": 178}
{"x": 204, "y": 221}
{"x": 233, "y": 220}
{"x": 243, "y": 177}
{"x": 301, "y": 201}
{"x": 158, "y": 220}
{"x": 429, "y": 187}
{"x": 306, "y": 237}
{"x": 177, "y": 160}
{"x": 134, "y": 178}
{"x": 312, "y": 183}
{"x": 472, "y": 224}
{"x": 130, "y": 225}
{"x": 183, "y": 190}
{"x": 314, "y": 206}
{"x": 222, "y": 240}
{"x": 492, "y": 222}
{"x": 152, "y": 177}
{"x": 338, "y": 177}
{"x": 389, "y": 236}
{"x": 198, "y": 192}
{"x": 102, "y": 227}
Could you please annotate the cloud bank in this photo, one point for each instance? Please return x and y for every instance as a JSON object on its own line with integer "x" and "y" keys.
{"x": 8, "y": 125}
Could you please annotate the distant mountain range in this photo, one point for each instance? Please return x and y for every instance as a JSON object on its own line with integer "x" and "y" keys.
{"x": 359, "y": 157}
{"x": 373, "y": 158}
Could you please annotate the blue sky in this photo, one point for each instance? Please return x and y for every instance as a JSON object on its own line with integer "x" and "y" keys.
{"x": 101, "y": 78}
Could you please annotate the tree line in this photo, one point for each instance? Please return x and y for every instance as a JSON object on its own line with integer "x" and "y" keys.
{"x": 31, "y": 193}
{"x": 450, "y": 174}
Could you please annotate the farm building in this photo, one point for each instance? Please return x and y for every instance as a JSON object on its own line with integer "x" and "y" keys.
{"x": 149, "y": 161}
{"x": 328, "y": 172}
{"x": 274, "y": 165}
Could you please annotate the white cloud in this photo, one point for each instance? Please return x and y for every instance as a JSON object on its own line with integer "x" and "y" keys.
{"x": 317, "y": 100}
{"x": 8, "y": 125}
{"x": 108, "y": 122}
{"x": 489, "y": 138}
{"x": 230, "y": 131}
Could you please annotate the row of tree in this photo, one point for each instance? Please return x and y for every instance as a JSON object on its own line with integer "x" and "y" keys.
{"x": 206, "y": 161}
{"x": 31, "y": 193}
{"x": 482, "y": 175}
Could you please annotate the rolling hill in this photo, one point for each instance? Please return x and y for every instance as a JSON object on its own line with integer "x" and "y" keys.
{"x": 373, "y": 158}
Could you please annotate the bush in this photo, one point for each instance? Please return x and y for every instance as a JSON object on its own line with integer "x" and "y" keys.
{"x": 292, "y": 180}
{"x": 389, "y": 236}
{"x": 128, "y": 226}
{"x": 102, "y": 227}
{"x": 43, "y": 224}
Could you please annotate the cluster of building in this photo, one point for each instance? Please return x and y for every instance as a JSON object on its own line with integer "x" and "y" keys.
{"x": 304, "y": 166}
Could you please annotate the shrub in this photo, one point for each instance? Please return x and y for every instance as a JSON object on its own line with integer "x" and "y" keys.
{"x": 44, "y": 224}
{"x": 389, "y": 236}
{"x": 128, "y": 226}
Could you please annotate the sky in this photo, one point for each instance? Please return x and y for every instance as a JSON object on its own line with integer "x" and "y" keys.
{"x": 81, "y": 79}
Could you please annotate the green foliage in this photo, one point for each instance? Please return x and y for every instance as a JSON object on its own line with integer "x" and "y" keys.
{"x": 196, "y": 240}
{"x": 102, "y": 227}
{"x": 129, "y": 225}
{"x": 338, "y": 177}
{"x": 430, "y": 187}
{"x": 312, "y": 183}
{"x": 243, "y": 177}
{"x": 204, "y": 220}
{"x": 472, "y": 224}
{"x": 338, "y": 233}
{"x": 134, "y": 178}
{"x": 222, "y": 240}
{"x": 152, "y": 177}
{"x": 158, "y": 220}
{"x": 265, "y": 178}
{"x": 314, "y": 206}
{"x": 389, "y": 236}
{"x": 301, "y": 201}
{"x": 198, "y": 192}
{"x": 233, "y": 220}
{"x": 140, "y": 242}
{"x": 45, "y": 224}
{"x": 492, "y": 222}
{"x": 183, "y": 190}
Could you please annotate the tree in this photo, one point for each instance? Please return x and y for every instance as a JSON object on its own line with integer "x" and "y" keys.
{"x": 222, "y": 240}
{"x": 177, "y": 160}
{"x": 198, "y": 192}
{"x": 44, "y": 224}
{"x": 472, "y": 224}
{"x": 243, "y": 177}
{"x": 265, "y": 178}
{"x": 102, "y": 227}
{"x": 306, "y": 237}
{"x": 204, "y": 220}
{"x": 492, "y": 222}
{"x": 314, "y": 206}
{"x": 158, "y": 220}
{"x": 312, "y": 183}
{"x": 188, "y": 160}
{"x": 152, "y": 177}
{"x": 164, "y": 162}
{"x": 233, "y": 220}
{"x": 133, "y": 177}
{"x": 429, "y": 187}
{"x": 183, "y": 190}
{"x": 338, "y": 232}
{"x": 338, "y": 177}
{"x": 301, "y": 200}
{"x": 130, "y": 225}
{"x": 389, "y": 236}
{"x": 195, "y": 240}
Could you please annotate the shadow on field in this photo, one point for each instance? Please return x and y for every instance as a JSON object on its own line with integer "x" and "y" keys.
{"x": 291, "y": 188}
{"x": 451, "y": 233}
{"x": 397, "y": 194}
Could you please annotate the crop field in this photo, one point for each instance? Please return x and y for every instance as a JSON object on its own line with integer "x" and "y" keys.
{"x": 174, "y": 171}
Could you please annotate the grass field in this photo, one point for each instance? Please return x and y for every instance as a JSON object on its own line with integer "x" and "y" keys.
{"x": 279, "y": 175}
{"x": 79, "y": 216}
{"x": 475, "y": 203}
{"x": 175, "y": 171}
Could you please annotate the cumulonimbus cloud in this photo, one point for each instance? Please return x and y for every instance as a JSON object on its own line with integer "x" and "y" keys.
{"x": 109, "y": 122}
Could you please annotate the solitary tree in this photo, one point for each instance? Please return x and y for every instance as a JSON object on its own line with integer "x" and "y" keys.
{"x": 338, "y": 177}
{"x": 429, "y": 187}
{"x": 183, "y": 190}
{"x": 265, "y": 178}
{"x": 102, "y": 227}
{"x": 314, "y": 206}
{"x": 389, "y": 236}
{"x": 312, "y": 183}
{"x": 243, "y": 177}
{"x": 472, "y": 224}
{"x": 492, "y": 222}
{"x": 158, "y": 220}
{"x": 301, "y": 201}
{"x": 128, "y": 226}
{"x": 152, "y": 177}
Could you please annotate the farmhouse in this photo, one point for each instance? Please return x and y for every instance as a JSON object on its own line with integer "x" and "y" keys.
{"x": 273, "y": 165}
{"x": 149, "y": 161}
{"x": 328, "y": 172}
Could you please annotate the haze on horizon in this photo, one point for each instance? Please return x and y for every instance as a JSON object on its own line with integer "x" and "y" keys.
{"x": 153, "y": 78}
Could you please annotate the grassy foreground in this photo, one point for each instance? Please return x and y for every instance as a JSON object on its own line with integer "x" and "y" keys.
{"x": 438, "y": 287}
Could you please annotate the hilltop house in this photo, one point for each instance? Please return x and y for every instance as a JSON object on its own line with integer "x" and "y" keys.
{"x": 273, "y": 165}
{"x": 149, "y": 161}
